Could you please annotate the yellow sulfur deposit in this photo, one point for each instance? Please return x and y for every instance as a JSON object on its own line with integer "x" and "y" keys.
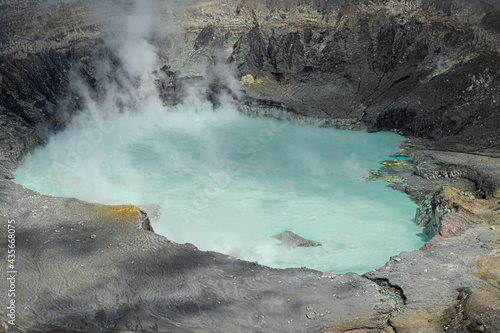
{"x": 120, "y": 213}
{"x": 247, "y": 80}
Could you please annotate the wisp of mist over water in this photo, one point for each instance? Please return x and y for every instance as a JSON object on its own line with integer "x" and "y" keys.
{"x": 227, "y": 183}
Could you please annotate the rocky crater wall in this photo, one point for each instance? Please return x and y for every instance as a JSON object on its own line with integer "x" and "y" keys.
{"x": 424, "y": 68}
{"x": 428, "y": 69}
{"x": 40, "y": 42}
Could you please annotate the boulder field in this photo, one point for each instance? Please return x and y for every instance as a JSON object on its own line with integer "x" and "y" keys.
{"x": 427, "y": 69}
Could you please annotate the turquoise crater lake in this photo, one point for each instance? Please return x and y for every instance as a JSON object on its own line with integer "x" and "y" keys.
{"x": 226, "y": 182}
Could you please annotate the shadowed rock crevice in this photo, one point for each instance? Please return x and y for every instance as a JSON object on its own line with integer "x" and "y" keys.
{"x": 393, "y": 289}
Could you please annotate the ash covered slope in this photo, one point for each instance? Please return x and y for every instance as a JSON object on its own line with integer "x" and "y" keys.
{"x": 87, "y": 266}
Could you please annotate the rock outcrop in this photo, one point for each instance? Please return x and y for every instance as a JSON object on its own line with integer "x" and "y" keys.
{"x": 424, "y": 68}
{"x": 39, "y": 44}
{"x": 291, "y": 240}
{"x": 418, "y": 275}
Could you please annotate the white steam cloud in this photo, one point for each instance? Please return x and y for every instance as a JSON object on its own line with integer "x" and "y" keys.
{"x": 124, "y": 68}
{"x": 138, "y": 37}
{"x": 135, "y": 42}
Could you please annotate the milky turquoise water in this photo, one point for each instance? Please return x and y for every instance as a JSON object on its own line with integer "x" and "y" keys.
{"x": 226, "y": 183}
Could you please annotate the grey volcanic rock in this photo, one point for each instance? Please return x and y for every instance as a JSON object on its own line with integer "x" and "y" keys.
{"x": 83, "y": 265}
{"x": 29, "y": 99}
{"x": 436, "y": 278}
{"x": 426, "y": 68}
{"x": 292, "y": 240}
{"x": 36, "y": 26}
{"x": 39, "y": 44}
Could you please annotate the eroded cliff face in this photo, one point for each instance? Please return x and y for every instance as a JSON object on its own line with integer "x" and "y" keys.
{"x": 40, "y": 42}
{"x": 424, "y": 68}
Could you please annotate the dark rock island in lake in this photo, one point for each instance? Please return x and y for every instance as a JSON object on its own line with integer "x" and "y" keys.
{"x": 291, "y": 240}
{"x": 428, "y": 69}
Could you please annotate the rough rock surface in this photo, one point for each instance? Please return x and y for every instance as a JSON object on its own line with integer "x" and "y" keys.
{"x": 431, "y": 298}
{"x": 39, "y": 44}
{"x": 87, "y": 266}
{"x": 292, "y": 240}
{"x": 426, "y": 68}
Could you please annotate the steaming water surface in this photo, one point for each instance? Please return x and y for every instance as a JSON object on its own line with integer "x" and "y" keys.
{"x": 226, "y": 182}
